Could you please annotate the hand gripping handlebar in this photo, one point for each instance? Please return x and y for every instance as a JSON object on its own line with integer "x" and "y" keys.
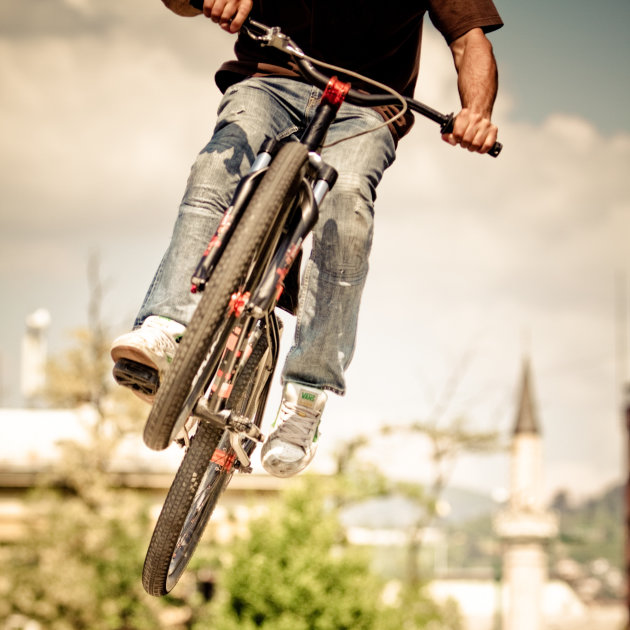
{"x": 275, "y": 38}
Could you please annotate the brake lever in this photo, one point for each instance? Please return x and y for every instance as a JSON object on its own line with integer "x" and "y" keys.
{"x": 268, "y": 36}
{"x": 271, "y": 36}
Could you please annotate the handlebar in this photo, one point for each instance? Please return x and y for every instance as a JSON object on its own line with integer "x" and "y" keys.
{"x": 274, "y": 37}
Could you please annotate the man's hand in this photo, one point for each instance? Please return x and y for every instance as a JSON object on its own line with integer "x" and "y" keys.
{"x": 228, "y": 14}
{"x": 477, "y": 84}
{"x": 473, "y": 131}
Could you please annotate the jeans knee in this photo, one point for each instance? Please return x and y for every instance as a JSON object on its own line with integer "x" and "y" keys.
{"x": 210, "y": 185}
{"x": 344, "y": 241}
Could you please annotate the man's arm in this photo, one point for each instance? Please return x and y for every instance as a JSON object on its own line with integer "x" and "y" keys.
{"x": 477, "y": 81}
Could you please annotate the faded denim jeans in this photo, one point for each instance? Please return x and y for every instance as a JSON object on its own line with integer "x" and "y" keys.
{"x": 335, "y": 274}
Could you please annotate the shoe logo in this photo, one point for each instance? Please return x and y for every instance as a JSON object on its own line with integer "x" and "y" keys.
{"x": 307, "y": 398}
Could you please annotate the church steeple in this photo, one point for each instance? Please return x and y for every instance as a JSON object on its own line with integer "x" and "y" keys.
{"x": 526, "y": 416}
{"x": 524, "y": 525}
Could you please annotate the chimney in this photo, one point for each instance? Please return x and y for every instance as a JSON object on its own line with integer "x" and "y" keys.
{"x": 34, "y": 356}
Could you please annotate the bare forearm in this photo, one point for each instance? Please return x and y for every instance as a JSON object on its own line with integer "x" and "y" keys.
{"x": 477, "y": 81}
{"x": 477, "y": 77}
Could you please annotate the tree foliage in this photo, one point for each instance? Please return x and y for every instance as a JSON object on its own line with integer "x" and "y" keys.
{"x": 295, "y": 572}
{"x": 78, "y": 566}
{"x": 78, "y": 563}
{"x": 590, "y": 529}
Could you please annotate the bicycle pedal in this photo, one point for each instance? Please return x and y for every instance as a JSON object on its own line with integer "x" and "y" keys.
{"x": 244, "y": 426}
{"x": 136, "y": 376}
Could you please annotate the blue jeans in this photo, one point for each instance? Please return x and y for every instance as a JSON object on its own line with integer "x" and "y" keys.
{"x": 335, "y": 274}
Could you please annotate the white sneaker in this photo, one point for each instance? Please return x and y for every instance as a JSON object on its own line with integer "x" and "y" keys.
{"x": 144, "y": 354}
{"x": 292, "y": 444}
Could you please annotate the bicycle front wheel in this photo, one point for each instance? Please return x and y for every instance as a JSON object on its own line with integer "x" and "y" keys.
{"x": 174, "y": 402}
{"x": 203, "y": 475}
{"x": 185, "y": 513}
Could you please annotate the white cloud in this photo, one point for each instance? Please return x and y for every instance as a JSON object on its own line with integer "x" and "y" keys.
{"x": 98, "y": 134}
{"x": 495, "y": 251}
{"x": 81, "y": 5}
{"x": 83, "y": 125}
{"x": 500, "y": 258}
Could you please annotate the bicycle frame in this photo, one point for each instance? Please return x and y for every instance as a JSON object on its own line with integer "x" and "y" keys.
{"x": 286, "y": 236}
{"x": 284, "y": 243}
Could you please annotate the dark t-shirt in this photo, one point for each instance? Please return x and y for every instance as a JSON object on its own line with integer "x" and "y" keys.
{"x": 378, "y": 39}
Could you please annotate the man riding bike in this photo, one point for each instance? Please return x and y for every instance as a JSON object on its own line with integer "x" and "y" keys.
{"x": 264, "y": 97}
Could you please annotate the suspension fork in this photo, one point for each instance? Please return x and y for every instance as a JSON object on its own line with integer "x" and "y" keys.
{"x": 305, "y": 213}
{"x": 313, "y": 138}
{"x": 231, "y": 216}
{"x": 302, "y": 219}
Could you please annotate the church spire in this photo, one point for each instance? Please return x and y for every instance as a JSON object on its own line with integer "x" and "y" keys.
{"x": 524, "y": 525}
{"x": 526, "y": 416}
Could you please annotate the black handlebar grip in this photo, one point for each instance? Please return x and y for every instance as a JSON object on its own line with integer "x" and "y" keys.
{"x": 495, "y": 149}
{"x": 447, "y": 127}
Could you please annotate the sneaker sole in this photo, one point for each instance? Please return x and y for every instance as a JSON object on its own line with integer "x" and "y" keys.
{"x": 133, "y": 354}
{"x": 278, "y": 467}
{"x": 143, "y": 380}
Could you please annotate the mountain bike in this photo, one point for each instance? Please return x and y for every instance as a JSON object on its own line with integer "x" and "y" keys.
{"x": 213, "y": 396}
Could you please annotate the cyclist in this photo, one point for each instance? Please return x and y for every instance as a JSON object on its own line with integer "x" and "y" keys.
{"x": 264, "y": 97}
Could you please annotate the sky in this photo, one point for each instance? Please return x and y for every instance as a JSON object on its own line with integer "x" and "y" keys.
{"x": 477, "y": 263}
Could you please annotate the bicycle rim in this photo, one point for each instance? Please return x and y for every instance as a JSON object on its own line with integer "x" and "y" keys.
{"x": 203, "y": 475}
{"x": 211, "y": 488}
{"x": 158, "y": 574}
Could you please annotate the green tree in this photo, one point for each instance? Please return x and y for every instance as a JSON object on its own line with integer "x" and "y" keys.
{"x": 295, "y": 572}
{"x": 79, "y": 562}
{"x": 78, "y": 567}
{"x": 446, "y": 445}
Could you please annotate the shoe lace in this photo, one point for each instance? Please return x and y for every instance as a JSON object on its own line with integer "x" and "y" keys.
{"x": 297, "y": 428}
{"x": 157, "y": 337}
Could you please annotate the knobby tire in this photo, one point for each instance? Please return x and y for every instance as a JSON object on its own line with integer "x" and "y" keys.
{"x": 196, "y": 475}
{"x": 275, "y": 187}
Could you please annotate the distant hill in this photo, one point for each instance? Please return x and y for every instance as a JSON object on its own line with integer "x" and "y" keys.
{"x": 398, "y": 512}
{"x": 591, "y": 534}
{"x": 593, "y": 528}
{"x": 610, "y": 502}
{"x": 602, "y": 512}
